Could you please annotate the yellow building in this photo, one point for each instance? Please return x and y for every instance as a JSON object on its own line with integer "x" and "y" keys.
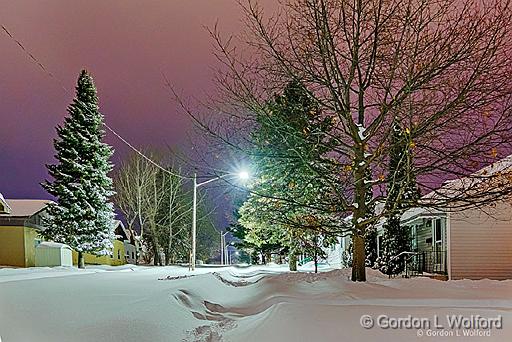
{"x": 20, "y": 222}
{"x": 119, "y": 254}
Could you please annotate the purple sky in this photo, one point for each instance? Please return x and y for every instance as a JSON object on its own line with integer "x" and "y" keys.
{"x": 126, "y": 45}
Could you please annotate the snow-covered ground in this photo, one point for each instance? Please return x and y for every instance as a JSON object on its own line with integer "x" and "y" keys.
{"x": 133, "y": 303}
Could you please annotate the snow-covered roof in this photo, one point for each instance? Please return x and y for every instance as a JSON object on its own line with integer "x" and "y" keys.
{"x": 25, "y": 207}
{"x": 126, "y": 231}
{"x": 5, "y": 208}
{"x": 415, "y": 213}
{"x": 473, "y": 182}
{"x": 47, "y": 244}
{"x": 457, "y": 186}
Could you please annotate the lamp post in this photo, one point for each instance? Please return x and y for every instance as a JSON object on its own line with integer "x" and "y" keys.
{"x": 243, "y": 175}
{"x": 222, "y": 243}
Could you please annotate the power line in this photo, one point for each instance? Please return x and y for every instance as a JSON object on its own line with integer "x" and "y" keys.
{"x": 61, "y": 84}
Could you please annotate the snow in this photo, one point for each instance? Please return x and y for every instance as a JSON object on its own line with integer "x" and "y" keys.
{"x": 257, "y": 303}
{"x": 361, "y": 131}
{"x": 48, "y": 244}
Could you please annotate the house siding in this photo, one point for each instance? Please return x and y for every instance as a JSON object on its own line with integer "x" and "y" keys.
{"x": 117, "y": 258}
{"x": 12, "y": 246}
{"x": 424, "y": 232}
{"x": 30, "y": 240}
{"x": 481, "y": 243}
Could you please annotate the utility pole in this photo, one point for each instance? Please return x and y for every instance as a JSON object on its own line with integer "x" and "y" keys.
{"x": 194, "y": 214}
{"x": 221, "y": 250}
{"x": 243, "y": 175}
{"x": 225, "y": 249}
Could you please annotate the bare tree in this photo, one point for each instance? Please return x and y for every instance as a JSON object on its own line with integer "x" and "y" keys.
{"x": 134, "y": 184}
{"x": 439, "y": 68}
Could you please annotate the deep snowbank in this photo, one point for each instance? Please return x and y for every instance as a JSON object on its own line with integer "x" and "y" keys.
{"x": 230, "y": 304}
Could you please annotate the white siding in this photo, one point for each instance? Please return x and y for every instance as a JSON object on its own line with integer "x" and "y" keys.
{"x": 481, "y": 243}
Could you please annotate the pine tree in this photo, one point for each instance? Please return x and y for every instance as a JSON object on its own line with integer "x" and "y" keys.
{"x": 286, "y": 206}
{"x": 402, "y": 190}
{"x": 83, "y": 215}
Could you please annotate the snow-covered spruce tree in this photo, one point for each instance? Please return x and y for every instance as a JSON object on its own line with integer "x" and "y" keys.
{"x": 396, "y": 237}
{"x": 287, "y": 200}
{"x": 83, "y": 215}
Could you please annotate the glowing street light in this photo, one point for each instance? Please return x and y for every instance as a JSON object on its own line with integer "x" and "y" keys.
{"x": 242, "y": 175}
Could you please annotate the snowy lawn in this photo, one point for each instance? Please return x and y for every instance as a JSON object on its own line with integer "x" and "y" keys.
{"x": 132, "y": 303}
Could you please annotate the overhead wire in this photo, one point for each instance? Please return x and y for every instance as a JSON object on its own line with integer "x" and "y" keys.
{"x": 61, "y": 84}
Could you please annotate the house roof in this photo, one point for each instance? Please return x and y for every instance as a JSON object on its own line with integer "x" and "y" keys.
{"x": 452, "y": 188}
{"x": 3, "y": 205}
{"x": 420, "y": 212}
{"x": 128, "y": 233}
{"x": 474, "y": 182}
{"x": 24, "y": 207}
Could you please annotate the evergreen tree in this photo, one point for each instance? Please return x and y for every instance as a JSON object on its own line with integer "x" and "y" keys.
{"x": 402, "y": 191}
{"x": 286, "y": 206}
{"x": 83, "y": 215}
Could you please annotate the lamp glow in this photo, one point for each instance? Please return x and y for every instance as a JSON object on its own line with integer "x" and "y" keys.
{"x": 243, "y": 175}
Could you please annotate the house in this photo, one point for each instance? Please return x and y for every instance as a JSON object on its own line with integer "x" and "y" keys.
{"x": 474, "y": 242}
{"x": 20, "y": 221}
{"x": 470, "y": 243}
{"x": 20, "y": 224}
{"x": 128, "y": 238}
{"x": 123, "y": 250}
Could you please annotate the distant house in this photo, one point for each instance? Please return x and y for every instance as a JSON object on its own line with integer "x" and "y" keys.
{"x": 123, "y": 250}
{"x": 20, "y": 222}
{"x": 127, "y": 237}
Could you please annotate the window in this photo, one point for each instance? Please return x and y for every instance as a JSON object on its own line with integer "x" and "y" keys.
{"x": 414, "y": 243}
{"x": 437, "y": 231}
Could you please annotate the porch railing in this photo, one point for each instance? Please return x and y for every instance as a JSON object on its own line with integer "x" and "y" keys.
{"x": 433, "y": 261}
{"x": 419, "y": 263}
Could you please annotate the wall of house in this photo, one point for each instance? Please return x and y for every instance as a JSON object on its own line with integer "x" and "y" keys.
{"x": 118, "y": 256}
{"x": 31, "y": 240}
{"x": 481, "y": 243}
{"x": 130, "y": 252}
{"x": 12, "y": 246}
{"x": 334, "y": 253}
{"x": 423, "y": 233}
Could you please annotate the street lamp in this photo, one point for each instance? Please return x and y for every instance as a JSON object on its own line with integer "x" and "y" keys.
{"x": 222, "y": 247}
{"x": 243, "y": 175}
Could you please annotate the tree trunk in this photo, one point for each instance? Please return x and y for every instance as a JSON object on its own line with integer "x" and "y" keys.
{"x": 293, "y": 261}
{"x": 156, "y": 252}
{"x": 358, "y": 259}
{"x": 81, "y": 261}
{"x": 136, "y": 252}
{"x": 316, "y": 261}
{"x": 268, "y": 257}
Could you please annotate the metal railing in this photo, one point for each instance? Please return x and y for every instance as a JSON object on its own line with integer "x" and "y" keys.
{"x": 433, "y": 261}
{"x": 419, "y": 263}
